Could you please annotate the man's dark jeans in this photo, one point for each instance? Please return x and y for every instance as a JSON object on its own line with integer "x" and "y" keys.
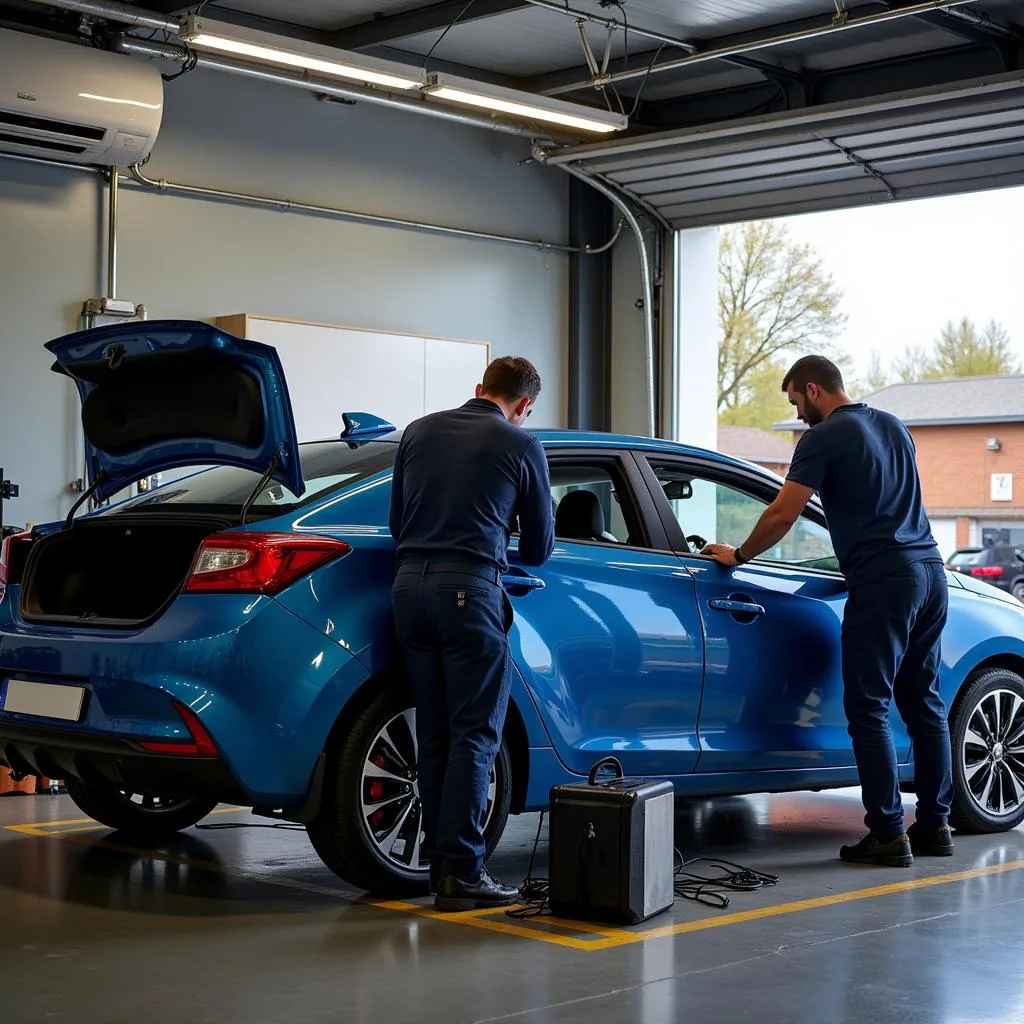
{"x": 452, "y": 626}
{"x": 892, "y": 628}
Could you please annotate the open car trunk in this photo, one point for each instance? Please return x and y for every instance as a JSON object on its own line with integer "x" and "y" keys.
{"x": 114, "y": 571}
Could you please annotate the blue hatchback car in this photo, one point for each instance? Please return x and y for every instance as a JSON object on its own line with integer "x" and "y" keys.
{"x": 227, "y": 637}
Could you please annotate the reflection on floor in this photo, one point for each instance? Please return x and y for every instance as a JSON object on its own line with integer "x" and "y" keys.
{"x": 238, "y": 920}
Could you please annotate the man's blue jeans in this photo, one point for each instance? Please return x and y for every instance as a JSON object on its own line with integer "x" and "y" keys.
{"x": 892, "y": 630}
{"x": 452, "y": 624}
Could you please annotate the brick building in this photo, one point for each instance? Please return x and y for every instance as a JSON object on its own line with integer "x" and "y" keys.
{"x": 969, "y": 434}
{"x": 757, "y": 446}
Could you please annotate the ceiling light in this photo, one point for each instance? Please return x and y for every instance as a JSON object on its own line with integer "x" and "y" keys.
{"x": 524, "y": 104}
{"x": 203, "y": 34}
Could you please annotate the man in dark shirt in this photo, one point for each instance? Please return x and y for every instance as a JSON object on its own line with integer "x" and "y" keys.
{"x": 861, "y": 461}
{"x": 462, "y": 479}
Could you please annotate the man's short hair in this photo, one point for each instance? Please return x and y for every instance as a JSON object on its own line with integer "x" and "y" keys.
{"x": 814, "y": 370}
{"x": 512, "y": 378}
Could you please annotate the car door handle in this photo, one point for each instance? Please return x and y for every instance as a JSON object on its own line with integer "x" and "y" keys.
{"x": 523, "y": 582}
{"x": 723, "y": 604}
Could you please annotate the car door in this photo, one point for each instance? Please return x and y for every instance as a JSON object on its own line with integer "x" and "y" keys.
{"x": 611, "y": 647}
{"x": 773, "y": 691}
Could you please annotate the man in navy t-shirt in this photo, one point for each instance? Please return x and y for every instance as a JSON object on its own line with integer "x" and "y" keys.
{"x": 861, "y": 462}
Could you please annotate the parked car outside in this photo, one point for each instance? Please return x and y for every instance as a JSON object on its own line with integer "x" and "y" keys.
{"x": 1002, "y": 565}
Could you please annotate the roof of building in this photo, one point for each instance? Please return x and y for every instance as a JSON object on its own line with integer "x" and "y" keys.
{"x": 952, "y": 402}
{"x": 754, "y": 445}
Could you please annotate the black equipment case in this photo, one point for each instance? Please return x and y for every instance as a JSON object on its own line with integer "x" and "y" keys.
{"x": 612, "y": 848}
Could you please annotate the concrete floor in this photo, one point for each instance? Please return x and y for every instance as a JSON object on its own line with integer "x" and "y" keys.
{"x": 244, "y": 924}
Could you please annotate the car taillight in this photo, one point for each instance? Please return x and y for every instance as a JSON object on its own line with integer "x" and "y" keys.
{"x": 258, "y": 563}
{"x": 987, "y": 570}
{"x": 13, "y": 555}
{"x": 200, "y": 743}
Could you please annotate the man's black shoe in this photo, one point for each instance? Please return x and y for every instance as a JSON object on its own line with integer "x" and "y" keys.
{"x": 931, "y": 842}
{"x": 455, "y": 895}
{"x": 893, "y": 853}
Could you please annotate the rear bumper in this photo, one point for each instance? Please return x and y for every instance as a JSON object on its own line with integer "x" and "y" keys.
{"x": 105, "y": 760}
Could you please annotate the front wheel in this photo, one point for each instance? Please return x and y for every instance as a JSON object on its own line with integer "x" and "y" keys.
{"x": 987, "y": 735}
{"x": 369, "y": 830}
{"x": 146, "y": 817}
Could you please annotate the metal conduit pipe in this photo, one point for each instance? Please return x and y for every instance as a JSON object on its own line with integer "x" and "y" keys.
{"x": 852, "y": 22}
{"x": 166, "y": 51}
{"x": 138, "y": 178}
{"x": 596, "y": 250}
{"x": 646, "y": 278}
{"x": 111, "y": 10}
{"x": 112, "y": 196}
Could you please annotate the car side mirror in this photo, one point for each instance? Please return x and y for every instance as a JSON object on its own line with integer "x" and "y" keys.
{"x": 678, "y": 490}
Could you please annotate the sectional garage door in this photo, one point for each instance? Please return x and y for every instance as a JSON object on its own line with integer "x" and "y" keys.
{"x": 908, "y": 146}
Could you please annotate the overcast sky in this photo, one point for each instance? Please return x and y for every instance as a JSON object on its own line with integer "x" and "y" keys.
{"x": 906, "y": 268}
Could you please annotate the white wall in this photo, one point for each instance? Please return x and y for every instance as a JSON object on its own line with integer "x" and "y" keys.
{"x": 184, "y": 257}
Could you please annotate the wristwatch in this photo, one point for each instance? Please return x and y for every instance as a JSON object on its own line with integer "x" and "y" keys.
{"x": 738, "y": 555}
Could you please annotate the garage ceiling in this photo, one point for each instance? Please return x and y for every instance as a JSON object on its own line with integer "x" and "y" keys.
{"x": 738, "y": 108}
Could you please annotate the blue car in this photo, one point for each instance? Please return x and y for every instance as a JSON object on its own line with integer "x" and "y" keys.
{"x": 227, "y": 637}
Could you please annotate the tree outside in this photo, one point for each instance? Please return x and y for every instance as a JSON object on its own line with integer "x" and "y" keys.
{"x": 777, "y": 301}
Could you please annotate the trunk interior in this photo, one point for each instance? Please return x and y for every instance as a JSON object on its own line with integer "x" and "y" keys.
{"x": 117, "y": 572}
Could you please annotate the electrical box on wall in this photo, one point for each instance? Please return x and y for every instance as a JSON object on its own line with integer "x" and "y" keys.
{"x": 100, "y": 312}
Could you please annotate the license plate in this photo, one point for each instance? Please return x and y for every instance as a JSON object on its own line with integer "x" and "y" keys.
{"x": 43, "y": 700}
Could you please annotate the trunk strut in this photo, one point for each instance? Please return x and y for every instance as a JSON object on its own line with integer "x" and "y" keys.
{"x": 263, "y": 481}
{"x": 101, "y": 476}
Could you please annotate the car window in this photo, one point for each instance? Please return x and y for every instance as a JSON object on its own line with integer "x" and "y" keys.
{"x": 710, "y": 511}
{"x": 326, "y": 466}
{"x": 960, "y": 558}
{"x": 592, "y": 503}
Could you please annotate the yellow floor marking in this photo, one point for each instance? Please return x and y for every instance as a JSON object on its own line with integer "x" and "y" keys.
{"x": 488, "y": 919}
{"x": 55, "y": 828}
{"x": 609, "y": 938}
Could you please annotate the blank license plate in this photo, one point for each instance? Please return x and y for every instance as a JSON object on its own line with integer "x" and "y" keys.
{"x": 44, "y": 700}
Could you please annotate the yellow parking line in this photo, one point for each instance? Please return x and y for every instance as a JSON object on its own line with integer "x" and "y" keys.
{"x": 609, "y": 938}
{"x": 56, "y": 828}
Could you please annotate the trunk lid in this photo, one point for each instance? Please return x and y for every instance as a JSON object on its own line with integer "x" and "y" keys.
{"x": 165, "y": 394}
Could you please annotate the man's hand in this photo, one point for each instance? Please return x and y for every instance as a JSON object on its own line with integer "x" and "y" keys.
{"x": 721, "y": 553}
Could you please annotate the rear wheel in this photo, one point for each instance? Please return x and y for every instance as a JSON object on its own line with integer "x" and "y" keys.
{"x": 1018, "y": 590}
{"x": 987, "y": 734}
{"x": 369, "y": 828}
{"x": 147, "y": 817}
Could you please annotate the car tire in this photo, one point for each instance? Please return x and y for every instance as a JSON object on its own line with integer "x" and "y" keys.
{"x": 152, "y": 818}
{"x": 988, "y": 756}
{"x": 344, "y": 836}
{"x": 1018, "y": 590}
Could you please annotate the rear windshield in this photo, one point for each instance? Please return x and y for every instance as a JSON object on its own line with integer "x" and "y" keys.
{"x": 326, "y": 466}
{"x": 967, "y": 558}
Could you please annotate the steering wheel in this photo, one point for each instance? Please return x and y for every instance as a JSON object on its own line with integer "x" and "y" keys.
{"x": 697, "y": 542}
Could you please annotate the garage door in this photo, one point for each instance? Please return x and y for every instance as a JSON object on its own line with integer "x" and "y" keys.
{"x": 944, "y": 531}
{"x": 907, "y": 146}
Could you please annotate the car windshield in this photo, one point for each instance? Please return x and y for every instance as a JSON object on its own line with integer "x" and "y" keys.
{"x": 965, "y": 557}
{"x": 326, "y": 466}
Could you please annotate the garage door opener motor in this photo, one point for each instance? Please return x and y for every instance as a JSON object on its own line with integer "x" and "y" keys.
{"x": 612, "y": 847}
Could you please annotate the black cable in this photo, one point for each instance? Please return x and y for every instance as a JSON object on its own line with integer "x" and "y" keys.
{"x": 458, "y": 17}
{"x": 643, "y": 81}
{"x": 191, "y": 60}
{"x": 712, "y": 890}
{"x": 283, "y": 825}
{"x": 534, "y": 892}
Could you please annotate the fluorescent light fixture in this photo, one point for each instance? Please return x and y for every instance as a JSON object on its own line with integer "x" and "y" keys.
{"x": 202, "y": 34}
{"x": 524, "y": 104}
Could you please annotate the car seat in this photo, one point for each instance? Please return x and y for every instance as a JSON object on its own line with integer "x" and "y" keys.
{"x": 580, "y": 517}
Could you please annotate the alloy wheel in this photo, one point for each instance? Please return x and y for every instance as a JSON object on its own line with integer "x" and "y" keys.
{"x": 390, "y": 808}
{"x": 992, "y": 753}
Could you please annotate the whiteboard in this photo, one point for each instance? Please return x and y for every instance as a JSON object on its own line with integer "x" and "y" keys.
{"x": 332, "y": 369}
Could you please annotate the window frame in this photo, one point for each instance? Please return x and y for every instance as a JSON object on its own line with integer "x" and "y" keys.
{"x": 635, "y": 491}
{"x": 747, "y": 482}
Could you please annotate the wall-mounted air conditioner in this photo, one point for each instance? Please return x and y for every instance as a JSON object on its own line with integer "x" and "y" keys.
{"x": 75, "y": 103}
